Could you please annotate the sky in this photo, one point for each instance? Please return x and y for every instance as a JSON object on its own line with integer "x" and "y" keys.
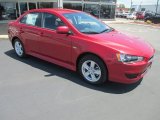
{"x": 137, "y": 2}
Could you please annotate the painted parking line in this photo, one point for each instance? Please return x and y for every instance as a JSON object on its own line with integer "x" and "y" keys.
{"x": 3, "y": 36}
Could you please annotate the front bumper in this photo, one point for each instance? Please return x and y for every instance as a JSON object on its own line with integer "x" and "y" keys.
{"x": 129, "y": 72}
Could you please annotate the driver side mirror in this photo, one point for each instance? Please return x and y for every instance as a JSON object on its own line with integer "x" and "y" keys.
{"x": 62, "y": 30}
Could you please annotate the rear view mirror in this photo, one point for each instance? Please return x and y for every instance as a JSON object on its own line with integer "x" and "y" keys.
{"x": 62, "y": 30}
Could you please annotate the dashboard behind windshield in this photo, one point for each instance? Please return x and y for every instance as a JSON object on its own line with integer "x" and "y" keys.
{"x": 86, "y": 23}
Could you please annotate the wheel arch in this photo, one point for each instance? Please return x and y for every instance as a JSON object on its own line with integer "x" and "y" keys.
{"x": 13, "y": 39}
{"x": 90, "y": 53}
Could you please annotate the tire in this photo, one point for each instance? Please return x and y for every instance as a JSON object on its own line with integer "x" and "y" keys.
{"x": 19, "y": 48}
{"x": 92, "y": 69}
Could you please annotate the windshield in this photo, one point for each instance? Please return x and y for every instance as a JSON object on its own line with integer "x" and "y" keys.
{"x": 86, "y": 23}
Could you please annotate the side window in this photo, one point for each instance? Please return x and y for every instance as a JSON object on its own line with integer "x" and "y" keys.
{"x": 51, "y": 21}
{"x": 23, "y": 20}
{"x": 33, "y": 19}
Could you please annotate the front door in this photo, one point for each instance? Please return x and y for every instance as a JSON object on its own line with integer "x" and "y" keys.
{"x": 53, "y": 45}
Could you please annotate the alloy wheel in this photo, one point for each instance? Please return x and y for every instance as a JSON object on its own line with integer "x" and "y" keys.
{"x": 91, "y": 71}
{"x": 18, "y": 48}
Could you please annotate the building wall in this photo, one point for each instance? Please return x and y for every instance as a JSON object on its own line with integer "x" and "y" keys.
{"x": 104, "y": 9}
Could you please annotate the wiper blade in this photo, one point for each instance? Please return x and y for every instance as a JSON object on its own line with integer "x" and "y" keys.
{"x": 106, "y": 30}
{"x": 91, "y": 32}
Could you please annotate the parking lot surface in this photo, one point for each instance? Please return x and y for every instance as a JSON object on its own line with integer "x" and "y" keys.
{"x": 32, "y": 89}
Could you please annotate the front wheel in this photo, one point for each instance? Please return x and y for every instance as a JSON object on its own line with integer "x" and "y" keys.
{"x": 92, "y": 69}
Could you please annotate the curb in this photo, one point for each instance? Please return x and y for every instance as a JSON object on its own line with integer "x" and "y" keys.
{"x": 3, "y": 37}
{"x": 120, "y": 22}
{"x": 138, "y": 23}
{"x": 147, "y": 25}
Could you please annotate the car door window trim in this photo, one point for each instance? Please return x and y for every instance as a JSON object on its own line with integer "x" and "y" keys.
{"x": 30, "y": 24}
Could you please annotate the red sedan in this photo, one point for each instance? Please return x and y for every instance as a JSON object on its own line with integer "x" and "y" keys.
{"x": 80, "y": 42}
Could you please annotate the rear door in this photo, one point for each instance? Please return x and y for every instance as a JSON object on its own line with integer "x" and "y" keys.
{"x": 30, "y": 30}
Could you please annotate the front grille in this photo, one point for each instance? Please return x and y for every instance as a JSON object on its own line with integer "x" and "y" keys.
{"x": 132, "y": 76}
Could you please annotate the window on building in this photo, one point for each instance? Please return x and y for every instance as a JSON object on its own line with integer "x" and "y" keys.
{"x": 73, "y": 0}
{"x": 111, "y": 1}
{"x": 92, "y": 0}
{"x": 45, "y": 5}
{"x": 143, "y": 9}
{"x": 32, "y": 5}
{"x": 8, "y": 11}
{"x": 92, "y": 9}
{"x": 107, "y": 11}
{"x": 23, "y": 7}
{"x": 75, "y": 6}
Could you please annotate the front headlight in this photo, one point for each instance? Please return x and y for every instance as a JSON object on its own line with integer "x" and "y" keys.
{"x": 128, "y": 58}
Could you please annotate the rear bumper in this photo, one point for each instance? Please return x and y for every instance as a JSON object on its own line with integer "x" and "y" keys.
{"x": 128, "y": 73}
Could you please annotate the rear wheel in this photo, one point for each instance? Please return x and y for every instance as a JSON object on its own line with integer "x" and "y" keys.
{"x": 19, "y": 48}
{"x": 92, "y": 69}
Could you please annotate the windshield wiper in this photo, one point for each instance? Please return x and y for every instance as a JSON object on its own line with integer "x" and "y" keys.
{"x": 91, "y": 32}
{"x": 107, "y": 30}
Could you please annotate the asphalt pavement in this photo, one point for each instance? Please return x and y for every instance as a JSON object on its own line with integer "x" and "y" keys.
{"x": 32, "y": 89}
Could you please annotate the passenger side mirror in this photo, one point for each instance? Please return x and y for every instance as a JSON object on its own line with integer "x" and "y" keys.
{"x": 62, "y": 30}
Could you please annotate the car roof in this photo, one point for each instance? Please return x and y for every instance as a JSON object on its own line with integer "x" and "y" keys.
{"x": 55, "y": 10}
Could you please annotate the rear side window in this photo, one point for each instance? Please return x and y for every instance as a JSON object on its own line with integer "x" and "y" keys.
{"x": 51, "y": 21}
{"x": 33, "y": 19}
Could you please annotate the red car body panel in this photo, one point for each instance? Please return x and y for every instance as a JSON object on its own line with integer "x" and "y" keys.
{"x": 64, "y": 50}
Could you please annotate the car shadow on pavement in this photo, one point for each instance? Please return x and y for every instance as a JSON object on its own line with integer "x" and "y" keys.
{"x": 52, "y": 70}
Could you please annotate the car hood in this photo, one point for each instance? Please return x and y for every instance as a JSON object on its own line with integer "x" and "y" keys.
{"x": 124, "y": 43}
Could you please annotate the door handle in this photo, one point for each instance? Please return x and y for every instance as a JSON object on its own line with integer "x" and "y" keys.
{"x": 41, "y": 33}
{"x": 21, "y": 30}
